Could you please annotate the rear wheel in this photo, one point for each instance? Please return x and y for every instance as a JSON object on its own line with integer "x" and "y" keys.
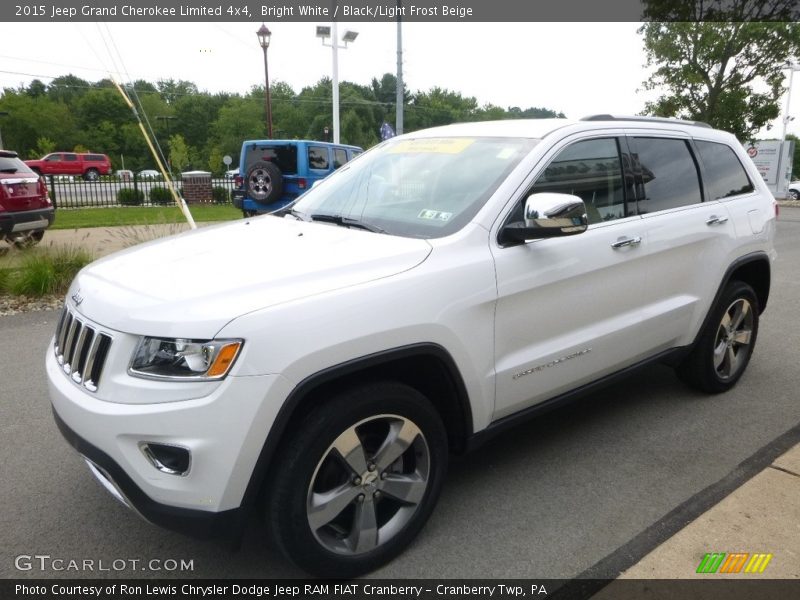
{"x": 91, "y": 175}
{"x": 794, "y": 194}
{"x": 28, "y": 239}
{"x": 726, "y": 344}
{"x": 358, "y": 480}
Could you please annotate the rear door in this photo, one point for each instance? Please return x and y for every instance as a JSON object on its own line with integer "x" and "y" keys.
{"x": 569, "y": 308}
{"x": 688, "y": 235}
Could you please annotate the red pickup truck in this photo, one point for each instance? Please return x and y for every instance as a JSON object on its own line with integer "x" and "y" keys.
{"x": 87, "y": 165}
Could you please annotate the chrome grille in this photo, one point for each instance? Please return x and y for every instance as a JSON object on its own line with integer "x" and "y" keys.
{"x": 80, "y": 349}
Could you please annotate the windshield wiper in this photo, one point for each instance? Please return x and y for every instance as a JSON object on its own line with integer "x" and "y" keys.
{"x": 346, "y": 222}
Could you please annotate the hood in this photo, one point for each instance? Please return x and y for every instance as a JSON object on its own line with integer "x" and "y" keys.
{"x": 192, "y": 284}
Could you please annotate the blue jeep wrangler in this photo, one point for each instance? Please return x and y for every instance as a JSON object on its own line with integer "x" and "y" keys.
{"x": 273, "y": 173}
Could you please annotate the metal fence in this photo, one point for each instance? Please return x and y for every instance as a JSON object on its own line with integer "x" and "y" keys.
{"x": 67, "y": 191}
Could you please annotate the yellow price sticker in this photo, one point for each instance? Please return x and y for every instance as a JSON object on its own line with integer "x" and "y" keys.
{"x": 433, "y": 146}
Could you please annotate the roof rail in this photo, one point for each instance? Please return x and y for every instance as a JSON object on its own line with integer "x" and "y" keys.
{"x": 645, "y": 119}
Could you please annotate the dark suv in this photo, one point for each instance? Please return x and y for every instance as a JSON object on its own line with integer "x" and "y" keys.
{"x": 87, "y": 165}
{"x": 25, "y": 208}
{"x": 273, "y": 173}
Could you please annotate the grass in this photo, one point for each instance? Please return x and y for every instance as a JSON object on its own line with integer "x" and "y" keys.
{"x": 76, "y": 218}
{"x": 44, "y": 271}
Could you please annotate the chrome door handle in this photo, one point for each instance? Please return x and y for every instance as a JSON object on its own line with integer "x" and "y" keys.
{"x": 715, "y": 220}
{"x": 624, "y": 242}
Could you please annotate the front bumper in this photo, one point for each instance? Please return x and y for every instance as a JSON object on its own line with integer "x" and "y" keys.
{"x": 225, "y": 431}
{"x": 196, "y": 523}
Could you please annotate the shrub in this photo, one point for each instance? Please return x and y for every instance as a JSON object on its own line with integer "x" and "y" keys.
{"x": 130, "y": 197}
{"x": 47, "y": 271}
{"x": 220, "y": 195}
{"x": 160, "y": 195}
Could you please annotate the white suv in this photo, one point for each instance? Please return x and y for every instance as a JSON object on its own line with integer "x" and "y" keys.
{"x": 440, "y": 287}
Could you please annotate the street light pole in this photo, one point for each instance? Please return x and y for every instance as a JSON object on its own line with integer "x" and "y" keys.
{"x": 400, "y": 96}
{"x": 786, "y": 118}
{"x": 331, "y": 32}
{"x": 264, "y": 35}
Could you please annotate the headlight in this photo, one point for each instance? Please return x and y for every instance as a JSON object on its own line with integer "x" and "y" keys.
{"x": 185, "y": 360}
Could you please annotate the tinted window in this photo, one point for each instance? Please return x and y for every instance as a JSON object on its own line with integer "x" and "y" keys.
{"x": 317, "y": 157}
{"x": 95, "y": 157}
{"x": 12, "y": 164}
{"x": 724, "y": 174}
{"x": 284, "y": 157}
{"x": 339, "y": 157}
{"x": 591, "y": 170}
{"x": 71, "y": 157}
{"x": 52, "y": 157}
{"x": 669, "y": 174}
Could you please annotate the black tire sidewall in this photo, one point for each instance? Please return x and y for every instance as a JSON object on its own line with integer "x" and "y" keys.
{"x": 700, "y": 370}
{"x": 276, "y": 181}
{"x": 287, "y": 490}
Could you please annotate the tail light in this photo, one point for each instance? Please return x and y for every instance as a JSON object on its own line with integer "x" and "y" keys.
{"x": 301, "y": 183}
{"x": 238, "y": 181}
{"x": 43, "y": 190}
{"x": 777, "y": 210}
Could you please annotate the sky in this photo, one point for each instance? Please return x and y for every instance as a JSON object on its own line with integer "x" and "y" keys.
{"x": 576, "y": 68}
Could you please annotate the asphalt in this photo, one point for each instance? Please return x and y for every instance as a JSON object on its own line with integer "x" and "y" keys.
{"x": 754, "y": 509}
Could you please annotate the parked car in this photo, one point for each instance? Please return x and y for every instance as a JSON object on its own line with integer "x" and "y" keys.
{"x": 149, "y": 174}
{"x": 793, "y": 191}
{"x": 25, "y": 206}
{"x": 276, "y": 172}
{"x": 445, "y": 285}
{"x": 231, "y": 174}
{"x": 88, "y": 165}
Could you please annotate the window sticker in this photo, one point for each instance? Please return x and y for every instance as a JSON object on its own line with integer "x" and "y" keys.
{"x": 434, "y": 215}
{"x": 433, "y": 146}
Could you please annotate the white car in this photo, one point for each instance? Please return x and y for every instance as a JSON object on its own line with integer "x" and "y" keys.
{"x": 149, "y": 174}
{"x": 448, "y": 283}
{"x": 793, "y": 192}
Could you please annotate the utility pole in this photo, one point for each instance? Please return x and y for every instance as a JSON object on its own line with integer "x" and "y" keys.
{"x": 400, "y": 98}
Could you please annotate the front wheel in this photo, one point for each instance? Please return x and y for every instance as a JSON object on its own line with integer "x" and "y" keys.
{"x": 92, "y": 175}
{"x": 28, "y": 239}
{"x": 794, "y": 195}
{"x": 358, "y": 480}
{"x": 726, "y": 344}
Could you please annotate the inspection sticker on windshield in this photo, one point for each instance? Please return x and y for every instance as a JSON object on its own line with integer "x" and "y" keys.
{"x": 434, "y": 215}
{"x": 433, "y": 146}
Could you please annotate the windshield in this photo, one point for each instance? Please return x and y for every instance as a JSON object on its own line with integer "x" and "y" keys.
{"x": 424, "y": 187}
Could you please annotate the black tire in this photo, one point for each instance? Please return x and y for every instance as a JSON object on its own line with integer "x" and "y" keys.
{"x": 794, "y": 195}
{"x": 29, "y": 240}
{"x": 264, "y": 182}
{"x": 91, "y": 175}
{"x": 365, "y": 524}
{"x": 725, "y": 346}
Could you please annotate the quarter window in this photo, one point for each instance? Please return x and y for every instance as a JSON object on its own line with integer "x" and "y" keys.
{"x": 669, "y": 174}
{"x": 339, "y": 157}
{"x": 317, "y": 157}
{"x": 591, "y": 170}
{"x": 724, "y": 174}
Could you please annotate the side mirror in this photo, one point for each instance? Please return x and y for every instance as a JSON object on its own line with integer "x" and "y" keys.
{"x": 548, "y": 215}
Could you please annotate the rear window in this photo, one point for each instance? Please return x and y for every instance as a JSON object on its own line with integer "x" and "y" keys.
{"x": 12, "y": 164}
{"x": 95, "y": 157}
{"x": 724, "y": 174}
{"x": 283, "y": 156}
{"x": 669, "y": 174}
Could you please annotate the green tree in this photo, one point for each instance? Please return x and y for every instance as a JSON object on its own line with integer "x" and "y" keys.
{"x": 44, "y": 145}
{"x": 178, "y": 153}
{"x": 796, "y": 157}
{"x": 715, "y": 71}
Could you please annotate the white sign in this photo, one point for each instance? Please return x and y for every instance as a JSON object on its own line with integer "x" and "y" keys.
{"x": 773, "y": 160}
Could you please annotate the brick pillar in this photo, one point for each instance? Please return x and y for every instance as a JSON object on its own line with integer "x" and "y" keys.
{"x": 197, "y": 187}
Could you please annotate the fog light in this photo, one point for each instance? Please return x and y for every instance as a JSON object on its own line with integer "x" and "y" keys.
{"x": 173, "y": 460}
